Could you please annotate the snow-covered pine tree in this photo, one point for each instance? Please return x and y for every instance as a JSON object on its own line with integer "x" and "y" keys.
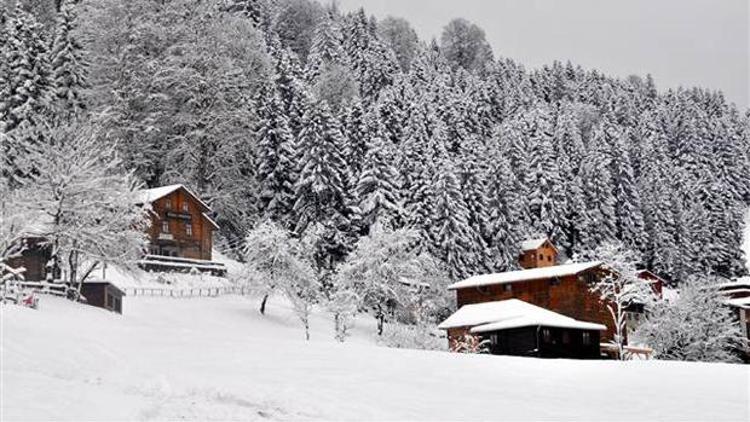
{"x": 452, "y": 239}
{"x": 506, "y": 222}
{"x": 327, "y": 47}
{"x": 276, "y": 161}
{"x": 630, "y": 225}
{"x": 546, "y": 191}
{"x": 357, "y": 129}
{"x": 597, "y": 224}
{"x": 472, "y": 175}
{"x": 69, "y": 69}
{"x": 377, "y": 189}
{"x": 26, "y": 100}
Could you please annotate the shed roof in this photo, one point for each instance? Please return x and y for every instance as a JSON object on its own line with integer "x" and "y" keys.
{"x": 525, "y": 275}
{"x": 511, "y": 313}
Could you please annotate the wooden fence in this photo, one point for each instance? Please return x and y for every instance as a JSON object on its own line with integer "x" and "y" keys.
{"x": 187, "y": 293}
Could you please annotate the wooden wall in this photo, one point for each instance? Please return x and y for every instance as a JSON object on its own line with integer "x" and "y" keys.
{"x": 569, "y": 296}
{"x": 34, "y": 258}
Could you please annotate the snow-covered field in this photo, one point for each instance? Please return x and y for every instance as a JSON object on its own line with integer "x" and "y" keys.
{"x": 218, "y": 358}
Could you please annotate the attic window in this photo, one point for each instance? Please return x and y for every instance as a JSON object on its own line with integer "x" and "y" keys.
{"x": 168, "y": 204}
{"x": 165, "y": 226}
{"x": 185, "y": 206}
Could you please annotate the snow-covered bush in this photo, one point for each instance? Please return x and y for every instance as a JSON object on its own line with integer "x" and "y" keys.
{"x": 412, "y": 336}
{"x": 470, "y": 343}
{"x": 696, "y": 326}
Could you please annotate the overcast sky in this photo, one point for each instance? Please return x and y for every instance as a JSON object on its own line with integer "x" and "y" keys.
{"x": 680, "y": 42}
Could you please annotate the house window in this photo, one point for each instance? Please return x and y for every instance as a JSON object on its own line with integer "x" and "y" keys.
{"x": 546, "y": 335}
{"x": 549, "y": 258}
{"x": 185, "y": 207}
{"x": 541, "y": 257}
{"x": 554, "y": 281}
{"x": 566, "y": 337}
{"x": 485, "y": 290}
{"x": 165, "y": 226}
{"x": 508, "y": 287}
{"x": 168, "y": 204}
{"x": 586, "y": 338}
{"x": 189, "y": 229}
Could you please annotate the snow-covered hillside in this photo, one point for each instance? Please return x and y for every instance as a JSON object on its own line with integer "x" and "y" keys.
{"x": 218, "y": 358}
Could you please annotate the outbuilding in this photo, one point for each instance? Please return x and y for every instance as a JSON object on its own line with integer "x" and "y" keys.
{"x": 103, "y": 294}
{"x": 514, "y": 327}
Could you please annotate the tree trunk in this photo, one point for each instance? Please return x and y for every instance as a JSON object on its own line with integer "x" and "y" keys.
{"x": 263, "y": 304}
{"x": 381, "y": 320}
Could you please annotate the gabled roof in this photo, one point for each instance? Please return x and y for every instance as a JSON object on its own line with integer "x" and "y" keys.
{"x": 148, "y": 196}
{"x": 525, "y": 275}
{"x": 511, "y": 313}
{"x": 533, "y": 244}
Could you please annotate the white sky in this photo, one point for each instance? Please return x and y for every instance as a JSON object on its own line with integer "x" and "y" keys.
{"x": 680, "y": 42}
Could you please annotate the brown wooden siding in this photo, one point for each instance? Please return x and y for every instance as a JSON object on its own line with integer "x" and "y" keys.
{"x": 544, "y": 256}
{"x": 569, "y": 296}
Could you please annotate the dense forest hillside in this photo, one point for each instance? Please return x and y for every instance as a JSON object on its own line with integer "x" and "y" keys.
{"x": 323, "y": 121}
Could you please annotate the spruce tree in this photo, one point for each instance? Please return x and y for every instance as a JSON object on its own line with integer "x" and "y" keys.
{"x": 327, "y": 47}
{"x": 69, "y": 70}
{"x": 276, "y": 161}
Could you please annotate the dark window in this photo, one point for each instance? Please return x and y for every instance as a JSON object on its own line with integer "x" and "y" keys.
{"x": 185, "y": 206}
{"x": 554, "y": 281}
{"x": 541, "y": 257}
{"x": 189, "y": 229}
{"x": 168, "y": 204}
{"x": 566, "y": 337}
{"x": 483, "y": 290}
{"x": 549, "y": 258}
{"x": 546, "y": 335}
{"x": 508, "y": 287}
{"x": 165, "y": 226}
{"x": 586, "y": 338}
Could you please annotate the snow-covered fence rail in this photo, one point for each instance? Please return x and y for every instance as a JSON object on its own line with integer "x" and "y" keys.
{"x": 188, "y": 292}
{"x": 56, "y": 289}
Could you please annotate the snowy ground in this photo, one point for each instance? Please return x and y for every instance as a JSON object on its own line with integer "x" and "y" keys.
{"x": 218, "y": 358}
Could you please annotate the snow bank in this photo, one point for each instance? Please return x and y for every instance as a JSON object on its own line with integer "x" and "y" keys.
{"x": 219, "y": 359}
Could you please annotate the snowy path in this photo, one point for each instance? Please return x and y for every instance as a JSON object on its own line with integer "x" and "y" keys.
{"x": 219, "y": 359}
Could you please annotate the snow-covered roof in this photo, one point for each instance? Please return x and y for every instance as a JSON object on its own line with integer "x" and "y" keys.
{"x": 525, "y": 275}
{"x": 743, "y": 302}
{"x": 742, "y": 282}
{"x": 147, "y": 196}
{"x": 210, "y": 220}
{"x": 652, "y": 274}
{"x": 532, "y": 244}
{"x": 511, "y": 313}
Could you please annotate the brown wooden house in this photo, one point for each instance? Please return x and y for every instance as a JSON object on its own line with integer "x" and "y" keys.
{"x": 33, "y": 259}
{"x": 180, "y": 223}
{"x": 564, "y": 289}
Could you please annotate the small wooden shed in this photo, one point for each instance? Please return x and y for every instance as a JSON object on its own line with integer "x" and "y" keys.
{"x": 103, "y": 294}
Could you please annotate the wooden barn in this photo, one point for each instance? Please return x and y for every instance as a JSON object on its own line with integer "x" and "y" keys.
{"x": 737, "y": 297}
{"x": 514, "y": 327}
{"x": 564, "y": 289}
{"x": 181, "y": 232}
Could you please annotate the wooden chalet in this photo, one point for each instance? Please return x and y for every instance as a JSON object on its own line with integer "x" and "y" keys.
{"x": 514, "y": 327}
{"x": 562, "y": 289}
{"x": 181, "y": 232}
{"x": 33, "y": 259}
